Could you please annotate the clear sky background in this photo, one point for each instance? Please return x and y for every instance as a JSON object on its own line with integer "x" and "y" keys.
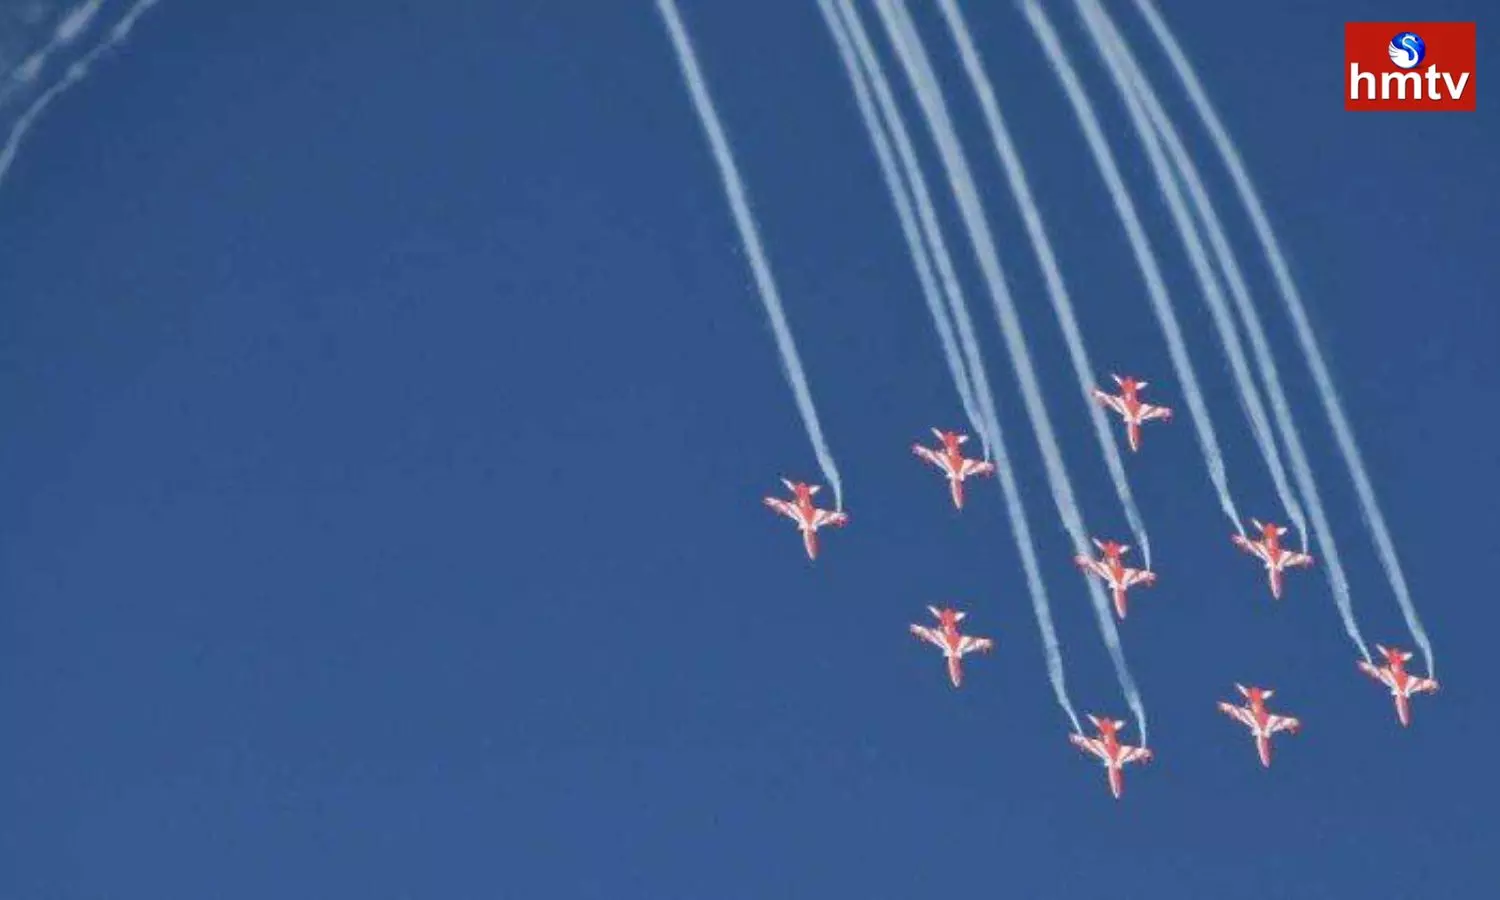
{"x": 387, "y": 406}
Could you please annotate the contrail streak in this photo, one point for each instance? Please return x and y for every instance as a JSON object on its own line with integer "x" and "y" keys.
{"x": 919, "y": 72}
{"x": 1137, "y": 91}
{"x": 1140, "y": 245}
{"x": 73, "y": 23}
{"x": 864, "y": 70}
{"x": 1218, "y": 308}
{"x": 1057, "y": 291}
{"x": 962, "y": 380}
{"x": 744, "y": 220}
{"x": 958, "y": 309}
{"x": 1106, "y": 40}
{"x": 1327, "y": 393}
{"x": 74, "y": 74}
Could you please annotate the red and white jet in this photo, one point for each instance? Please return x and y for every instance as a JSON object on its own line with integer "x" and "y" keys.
{"x": 1262, "y": 724}
{"x": 1108, "y": 748}
{"x": 1270, "y": 551}
{"x": 808, "y": 517}
{"x": 1113, "y": 571}
{"x": 1130, "y": 407}
{"x": 1401, "y": 682}
{"x": 954, "y": 645}
{"x": 953, "y": 463}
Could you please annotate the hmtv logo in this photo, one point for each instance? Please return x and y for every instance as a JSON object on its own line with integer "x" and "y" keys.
{"x": 1409, "y": 65}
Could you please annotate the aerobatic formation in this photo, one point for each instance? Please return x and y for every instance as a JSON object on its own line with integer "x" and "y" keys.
{"x": 1173, "y": 171}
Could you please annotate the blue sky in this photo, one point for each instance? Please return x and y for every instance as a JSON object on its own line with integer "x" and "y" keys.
{"x": 388, "y": 406}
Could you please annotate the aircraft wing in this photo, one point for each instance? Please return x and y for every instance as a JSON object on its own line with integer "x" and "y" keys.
{"x": 1282, "y": 723}
{"x": 968, "y": 644}
{"x": 976, "y": 467}
{"x": 1092, "y": 565}
{"x": 1134, "y": 754}
{"x": 1416, "y": 685}
{"x": 783, "y": 507}
{"x": 930, "y": 635}
{"x": 1149, "y": 412}
{"x": 1381, "y": 674}
{"x": 1254, "y": 548}
{"x": 1291, "y": 558}
{"x": 1090, "y": 745}
{"x": 932, "y": 456}
{"x": 1138, "y": 576}
{"x": 1111, "y": 401}
{"x": 1238, "y": 713}
{"x": 823, "y": 517}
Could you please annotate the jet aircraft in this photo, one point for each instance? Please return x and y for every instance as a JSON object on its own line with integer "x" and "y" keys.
{"x": 1110, "y": 751}
{"x": 1402, "y": 683}
{"x": 1113, "y": 571}
{"x": 1270, "y": 551}
{"x": 808, "y": 517}
{"x": 1262, "y": 724}
{"x": 950, "y": 459}
{"x": 947, "y": 638}
{"x": 1131, "y": 408}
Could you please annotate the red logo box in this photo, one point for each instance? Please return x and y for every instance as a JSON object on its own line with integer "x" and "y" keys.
{"x": 1442, "y": 80}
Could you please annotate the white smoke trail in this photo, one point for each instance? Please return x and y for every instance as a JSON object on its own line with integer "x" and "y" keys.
{"x": 1140, "y": 245}
{"x": 1102, "y": 31}
{"x": 919, "y": 72}
{"x": 744, "y": 220}
{"x": 958, "y": 309}
{"x": 1327, "y": 393}
{"x": 74, "y": 74}
{"x": 1057, "y": 291}
{"x": 1136, "y": 91}
{"x": 874, "y": 128}
{"x": 72, "y": 24}
{"x": 866, "y": 73}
